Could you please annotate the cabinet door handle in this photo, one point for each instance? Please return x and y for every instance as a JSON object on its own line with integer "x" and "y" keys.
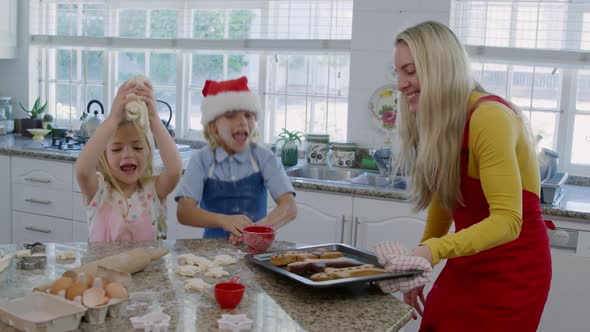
{"x": 40, "y": 230}
{"x": 37, "y": 201}
{"x": 355, "y": 231}
{"x": 38, "y": 180}
{"x": 342, "y": 222}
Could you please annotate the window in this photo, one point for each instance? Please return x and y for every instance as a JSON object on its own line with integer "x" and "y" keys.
{"x": 533, "y": 53}
{"x": 295, "y": 53}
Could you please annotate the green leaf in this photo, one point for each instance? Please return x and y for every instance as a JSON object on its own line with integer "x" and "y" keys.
{"x": 24, "y": 108}
{"x": 37, "y": 102}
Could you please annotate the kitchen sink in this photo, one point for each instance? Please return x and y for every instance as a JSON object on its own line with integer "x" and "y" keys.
{"x": 345, "y": 176}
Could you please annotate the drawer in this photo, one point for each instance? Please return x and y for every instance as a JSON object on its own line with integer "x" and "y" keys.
{"x": 30, "y": 228}
{"x": 42, "y": 173}
{"x": 49, "y": 202}
{"x": 79, "y": 210}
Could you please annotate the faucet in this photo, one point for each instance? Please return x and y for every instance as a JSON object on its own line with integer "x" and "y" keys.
{"x": 382, "y": 158}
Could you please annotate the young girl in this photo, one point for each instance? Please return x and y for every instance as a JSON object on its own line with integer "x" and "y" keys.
{"x": 125, "y": 201}
{"x": 224, "y": 186}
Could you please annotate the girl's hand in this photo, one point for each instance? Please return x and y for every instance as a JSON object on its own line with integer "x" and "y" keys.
{"x": 236, "y": 223}
{"x": 411, "y": 299}
{"x": 118, "y": 109}
{"x": 146, "y": 93}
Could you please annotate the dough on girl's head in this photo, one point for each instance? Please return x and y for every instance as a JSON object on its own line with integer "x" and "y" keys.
{"x": 136, "y": 109}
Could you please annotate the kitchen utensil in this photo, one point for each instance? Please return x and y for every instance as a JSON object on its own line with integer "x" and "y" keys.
{"x": 38, "y": 134}
{"x": 548, "y": 163}
{"x": 229, "y": 294}
{"x": 356, "y": 254}
{"x": 234, "y": 323}
{"x": 90, "y": 123}
{"x": 258, "y": 238}
{"x": 153, "y": 321}
{"x": 165, "y": 110}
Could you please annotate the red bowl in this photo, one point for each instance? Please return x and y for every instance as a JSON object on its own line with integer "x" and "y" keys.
{"x": 229, "y": 294}
{"x": 258, "y": 238}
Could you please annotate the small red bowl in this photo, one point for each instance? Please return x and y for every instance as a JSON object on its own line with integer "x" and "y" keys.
{"x": 258, "y": 238}
{"x": 229, "y": 294}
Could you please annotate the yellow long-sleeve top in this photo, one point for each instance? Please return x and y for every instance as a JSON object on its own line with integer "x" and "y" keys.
{"x": 502, "y": 157}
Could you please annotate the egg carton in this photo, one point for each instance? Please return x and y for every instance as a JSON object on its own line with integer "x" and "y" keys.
{"x": 116, "y": 308}
{"x": 41, "y": 312}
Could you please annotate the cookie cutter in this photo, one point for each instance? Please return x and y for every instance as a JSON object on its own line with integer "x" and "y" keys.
{"x": 36, "y": 248}
{"x": 32, "y": 262}
{"x": 155, "y": 321}
{"x": 234, "y": 323}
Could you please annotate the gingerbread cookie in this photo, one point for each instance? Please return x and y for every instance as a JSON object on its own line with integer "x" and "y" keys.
{"x": 318, "y": 265}
{"x": 290, "y": 257}
{"x": 356, "y": 271}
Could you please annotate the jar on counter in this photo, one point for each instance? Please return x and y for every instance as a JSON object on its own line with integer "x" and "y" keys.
{"x": 343, "y": 155}
{"x": 316, "y": 151}
{"x": 6, "y": 115}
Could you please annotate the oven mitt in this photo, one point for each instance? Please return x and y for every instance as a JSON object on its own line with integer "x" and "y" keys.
{"x": 136, "y": 109}
{"x": 397, "y": 258}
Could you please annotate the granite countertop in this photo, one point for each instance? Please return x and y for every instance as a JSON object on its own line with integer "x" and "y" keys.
{"x": 574, "y": 204}
{"x": 273, "y": 302}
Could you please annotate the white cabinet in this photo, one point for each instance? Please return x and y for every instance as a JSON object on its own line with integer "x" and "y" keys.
{"x": 321, "y": 218}
{"x": 379, "y": 220}
{"x": 42, "y": 208}
{"x": 5, "y": 198}
{"x": 8, "y": 29}
{"x": 569, "y": 296}
{"x": 29, "y": 228}
{"x": 177, "y": 230}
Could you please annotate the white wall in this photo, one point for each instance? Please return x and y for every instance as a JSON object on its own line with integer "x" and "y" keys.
{"x": 375, "y": 25}
{"x": 14, "y": 73}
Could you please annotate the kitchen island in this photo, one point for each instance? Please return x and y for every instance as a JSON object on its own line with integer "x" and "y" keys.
{"x": 273, "y": 302}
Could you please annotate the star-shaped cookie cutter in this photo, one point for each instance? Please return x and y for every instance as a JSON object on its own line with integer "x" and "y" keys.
{"x": 153, "y": 321}
{"x": 234, "y": 322}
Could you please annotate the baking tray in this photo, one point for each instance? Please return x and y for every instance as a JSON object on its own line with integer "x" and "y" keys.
{"x": 348, "y": 251}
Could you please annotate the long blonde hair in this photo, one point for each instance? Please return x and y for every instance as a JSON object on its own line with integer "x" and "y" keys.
{"x": 431, "y": 137}
{"x": 148, "y": 172}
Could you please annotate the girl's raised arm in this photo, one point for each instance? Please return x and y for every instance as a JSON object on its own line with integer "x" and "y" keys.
{"x": 94, "y": 148}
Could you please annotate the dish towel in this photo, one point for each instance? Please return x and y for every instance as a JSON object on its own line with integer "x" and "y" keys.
{"x": 397, "y": 258}
{"x": 136, "y": 109}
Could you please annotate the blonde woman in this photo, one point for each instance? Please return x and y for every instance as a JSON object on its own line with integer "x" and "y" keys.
{"x": 471, "y": 159}
{"x": 225, "y": 184}
{"x": 125, "y": 200}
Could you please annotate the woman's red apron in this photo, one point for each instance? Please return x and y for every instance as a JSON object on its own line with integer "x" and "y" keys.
{"x": 501, "y": 289}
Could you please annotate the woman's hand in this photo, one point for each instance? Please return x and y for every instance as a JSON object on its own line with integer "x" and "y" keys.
{"x": 117, "y": 112}
{"x": 413, "y": 298}
{"x": 423, "y": 251}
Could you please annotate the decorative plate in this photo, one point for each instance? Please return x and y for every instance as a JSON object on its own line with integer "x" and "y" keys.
{"x": 383, "y": 107}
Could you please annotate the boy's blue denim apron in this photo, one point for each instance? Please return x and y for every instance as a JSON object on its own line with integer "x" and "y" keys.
{"x": 246, "y": 196}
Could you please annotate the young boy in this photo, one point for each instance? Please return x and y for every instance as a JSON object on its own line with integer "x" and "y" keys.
{"x": 225, "y": 184}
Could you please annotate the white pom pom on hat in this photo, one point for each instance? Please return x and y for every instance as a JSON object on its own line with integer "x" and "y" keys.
{"x": 224, "y": 96}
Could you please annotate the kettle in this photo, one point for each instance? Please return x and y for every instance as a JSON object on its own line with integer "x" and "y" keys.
{"x": 90, "y": 123}
{"x": 162, "y": 104}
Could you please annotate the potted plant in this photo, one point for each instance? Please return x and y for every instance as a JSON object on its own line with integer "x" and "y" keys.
{"x": 33, "y": 121}
{"x": 47, "y": 119}
{"x": 290, "y": 148}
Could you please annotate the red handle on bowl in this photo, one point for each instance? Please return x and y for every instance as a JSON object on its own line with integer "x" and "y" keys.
{"x": 234, "y": 279}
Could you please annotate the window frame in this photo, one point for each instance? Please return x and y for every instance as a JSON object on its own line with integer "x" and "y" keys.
{"x": 569, "y": 60}
{"x": 183, "y": 45}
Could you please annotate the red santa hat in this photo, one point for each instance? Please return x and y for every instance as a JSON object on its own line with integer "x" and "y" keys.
{"x": 224, "y": 96}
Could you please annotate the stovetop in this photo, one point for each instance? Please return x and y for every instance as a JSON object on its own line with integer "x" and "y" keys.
{"x": 64, "y": 144}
